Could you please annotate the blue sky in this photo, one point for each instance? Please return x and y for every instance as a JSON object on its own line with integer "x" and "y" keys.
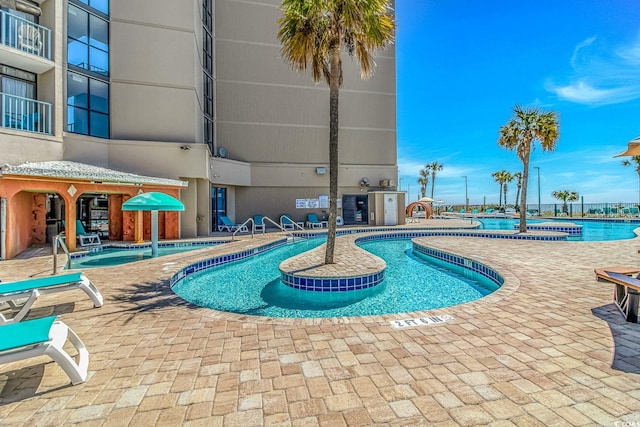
{"x": 462, "y": 65}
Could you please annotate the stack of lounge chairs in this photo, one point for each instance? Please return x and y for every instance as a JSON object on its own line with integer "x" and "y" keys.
{"x": 25, "y": 339}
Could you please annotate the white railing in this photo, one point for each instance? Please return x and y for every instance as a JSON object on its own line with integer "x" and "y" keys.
{"x": 26, "y": 36}
{"x": 59, "y": 241}
{"x": 25, "y": 114}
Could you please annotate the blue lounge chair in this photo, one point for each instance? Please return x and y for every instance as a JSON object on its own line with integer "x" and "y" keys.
{"x": 286, "y": 222}
{"x": 82, "y": 236}
{"x": 313, "y": 221}
{"x": 44, "y": 337}
{"x": 11, "y": 292}
{"x": 228, "y": 225}
{"x": 258, "y": 223}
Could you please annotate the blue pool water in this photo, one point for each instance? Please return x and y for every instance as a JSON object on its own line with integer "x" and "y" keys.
{"x": 118, "y": 256}
{"x": 412, "y": 283}
{"x": 592, "y": 231}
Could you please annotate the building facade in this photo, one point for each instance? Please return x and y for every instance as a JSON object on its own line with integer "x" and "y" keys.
{"x": 194, "y": 91}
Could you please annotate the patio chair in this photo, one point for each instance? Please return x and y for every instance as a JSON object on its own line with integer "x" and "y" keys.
{"x": 11, "y": 292}
{"x": 286, "y": 222}
{"x": 313, "y": 221}
{"x": 82, "y": 236}
{"x": 228, "y": 225}
{"x": 258, "y": 223}
{"x": 44, "y": 337}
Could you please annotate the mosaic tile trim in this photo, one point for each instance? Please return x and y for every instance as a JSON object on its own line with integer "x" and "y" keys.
{"x": 96, "y": 249}
{"x": 463, "y": 262}
{"x": 487, "y": 235}
{"x": 223, "y": 259}
{"x": 333, "y": 284}
{"x": 571, "y": 230}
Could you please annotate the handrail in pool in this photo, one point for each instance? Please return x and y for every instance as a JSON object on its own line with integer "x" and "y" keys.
{"x": 59, "y": 241}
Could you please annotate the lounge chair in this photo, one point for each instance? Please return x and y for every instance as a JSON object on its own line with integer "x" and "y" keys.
{"x": 286, "y": 222}
{"x": 258, "y": 223}
{"x": 626, "y": 289}
{"x": 44, "y": 337}
{"x": 83, "y": 237}
{"x": 313, "y": 221}
{"x": 228, "y": 225}
{"x": 31, "y": 289}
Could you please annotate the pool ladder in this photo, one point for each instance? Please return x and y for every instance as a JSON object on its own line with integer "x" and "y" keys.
{"x": 253, "y": 227}
{"x": 59, "y": 241}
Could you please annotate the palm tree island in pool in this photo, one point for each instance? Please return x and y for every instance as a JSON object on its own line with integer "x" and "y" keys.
{"x": 313, "y": 35}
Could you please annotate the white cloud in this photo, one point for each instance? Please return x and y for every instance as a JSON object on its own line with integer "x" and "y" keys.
{"x": 601, "y": 76}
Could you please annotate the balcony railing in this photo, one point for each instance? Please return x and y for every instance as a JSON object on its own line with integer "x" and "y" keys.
{"x": 25, "y": 114}
{"x": 26, "y": 36}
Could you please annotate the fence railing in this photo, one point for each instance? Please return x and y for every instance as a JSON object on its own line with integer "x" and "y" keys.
{"x": 574, "y": 210}
{"x": 23, "y": 35}
{"x": 25, "y": 114}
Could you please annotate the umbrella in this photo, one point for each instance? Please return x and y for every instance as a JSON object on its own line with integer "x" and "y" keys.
{"x": 153, "y": 202}
{"x": 633, "y": 148}
{"x": 426, "y": 199}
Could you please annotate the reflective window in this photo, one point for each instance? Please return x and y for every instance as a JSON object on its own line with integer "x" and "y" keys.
{"x": 99, "y": 5}
{"x": 87, "y": 41}
{"x": 87, "y": 105}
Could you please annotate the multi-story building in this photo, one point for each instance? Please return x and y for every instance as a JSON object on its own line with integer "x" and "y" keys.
{"x": 191, "y": 91}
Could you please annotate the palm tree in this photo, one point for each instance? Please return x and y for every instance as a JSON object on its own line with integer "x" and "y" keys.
{"x": 313, "y": 35}
{"x": 635, "y": 160}
{"x": 518, "y": 177}
{"x": 434, "y": 167}
{"x": 423, "y": 180}
{"x": 502, "y": 177}
{"x": 525, "y": 127}
{"x": 565, "y": 196}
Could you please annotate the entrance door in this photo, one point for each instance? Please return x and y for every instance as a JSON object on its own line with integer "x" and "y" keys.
{"x": 390, "y": 209}
{"x": 218, "y": 206}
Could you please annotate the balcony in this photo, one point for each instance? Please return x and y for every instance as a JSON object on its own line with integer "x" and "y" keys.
{"x": 24, "y": 44}
{"x": 25, "y": 114}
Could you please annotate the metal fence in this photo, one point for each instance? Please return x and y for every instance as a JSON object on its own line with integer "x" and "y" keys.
{"x": 572, "y": 210}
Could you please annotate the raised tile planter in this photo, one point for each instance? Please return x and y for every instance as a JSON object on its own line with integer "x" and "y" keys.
{"x": 569, "y": 228}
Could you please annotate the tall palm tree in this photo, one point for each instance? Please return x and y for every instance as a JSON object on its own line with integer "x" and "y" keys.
{"x": 423, "y": 180}
{"x": 525, "y": 127}
{"x": 502, "y": 177}
{"x": 313, "y": 35}
{"x": 518, "y": 177}
{"x": 567, "y": 197}
{"x": 435, "y": 167}
{"x": 635, "y": 160}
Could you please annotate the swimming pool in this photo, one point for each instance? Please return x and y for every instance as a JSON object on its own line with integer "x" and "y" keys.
{"x": 109, "y": 256}
{"x": 412, "y": 283}
{"x": 592, "y": 230}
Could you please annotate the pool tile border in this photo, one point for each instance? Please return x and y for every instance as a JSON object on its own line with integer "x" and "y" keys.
{"x": 123, "y": 246}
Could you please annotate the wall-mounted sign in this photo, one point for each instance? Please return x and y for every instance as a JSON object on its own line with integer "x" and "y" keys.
{"x": 324, "y": 201}
{"x": 307, "y": 203}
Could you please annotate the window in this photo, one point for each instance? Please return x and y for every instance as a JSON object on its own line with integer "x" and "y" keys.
{"x": 87, "y": 105}
{"x": 88, "y": 41}
{"x": 208, "y": 83}
{"x": 88, "y": 63}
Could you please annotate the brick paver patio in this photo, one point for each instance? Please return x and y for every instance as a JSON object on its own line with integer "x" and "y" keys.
{"x": 549, "y": 348}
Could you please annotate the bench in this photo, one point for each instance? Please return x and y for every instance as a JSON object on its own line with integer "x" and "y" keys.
{"x": 626, "y": 289}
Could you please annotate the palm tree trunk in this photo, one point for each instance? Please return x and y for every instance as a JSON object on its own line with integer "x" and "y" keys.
{"x": 517, "y": 197}
{"x": 505, "y": 194}
{"x": 433, "y": 183}
{"x": 334, "y": 92}
{"x": 500, "y": 195}
{"x": 525, "y": 180}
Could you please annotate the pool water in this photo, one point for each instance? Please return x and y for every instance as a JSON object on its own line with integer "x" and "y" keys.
{"x": 592, "y": 231}
{"x": 117, "y": 256}
{"x": 412, "y": 283}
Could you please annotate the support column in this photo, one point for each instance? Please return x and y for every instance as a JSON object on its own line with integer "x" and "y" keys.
{"x": 139, "y": 227}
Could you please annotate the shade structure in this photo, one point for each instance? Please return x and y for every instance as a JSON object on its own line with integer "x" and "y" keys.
{"x": 428, "y": 210}
{"x": 633, "y": 148}
{"x": 154, "y": 202}
{"x": 425, "y": 199}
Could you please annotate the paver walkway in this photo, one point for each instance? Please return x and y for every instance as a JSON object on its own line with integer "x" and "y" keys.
{"x": 548, "y": 349}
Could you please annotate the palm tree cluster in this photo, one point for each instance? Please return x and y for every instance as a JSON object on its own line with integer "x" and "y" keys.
{"x": 567, "y": 197}
{"x": 503, "y": 178}
{"x": 313, "y": 35}
{"x": 429, "y": 170}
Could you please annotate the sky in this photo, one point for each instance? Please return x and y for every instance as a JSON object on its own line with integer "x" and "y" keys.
{"x": 463, "y": 65}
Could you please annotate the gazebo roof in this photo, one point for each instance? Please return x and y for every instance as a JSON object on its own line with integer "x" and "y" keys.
{"x": 84, "y": 172}
{"x": 153, "y": 201}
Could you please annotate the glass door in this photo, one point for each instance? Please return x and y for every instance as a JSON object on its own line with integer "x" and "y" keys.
{"x": 218, "y": 206}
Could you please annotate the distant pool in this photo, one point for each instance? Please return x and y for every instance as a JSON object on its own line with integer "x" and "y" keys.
{"x": 592, "y": 230}
{"x": 111, "y": 256}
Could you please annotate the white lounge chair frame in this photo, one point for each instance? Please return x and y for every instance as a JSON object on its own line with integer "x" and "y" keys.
{"x": 76, "y": 370}
{"x": 31, "y": 289}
